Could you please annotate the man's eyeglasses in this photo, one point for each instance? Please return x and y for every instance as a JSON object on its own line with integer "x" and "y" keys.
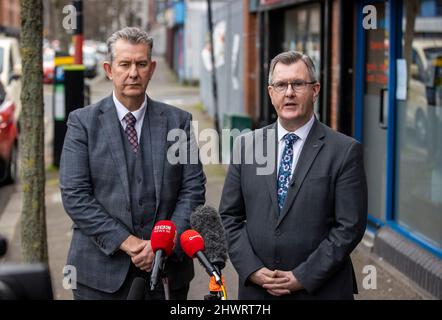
{"x": 297, "y": 85}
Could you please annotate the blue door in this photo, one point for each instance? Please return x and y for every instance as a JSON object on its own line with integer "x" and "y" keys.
{"x": 374, "y": 77}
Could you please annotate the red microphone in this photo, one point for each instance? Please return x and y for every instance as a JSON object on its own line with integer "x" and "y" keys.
{"x": 162, "y": 240}
{"x": 192, "y": 244}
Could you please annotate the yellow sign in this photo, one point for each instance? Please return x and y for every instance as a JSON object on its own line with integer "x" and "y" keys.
{"x": 58, "y": 61}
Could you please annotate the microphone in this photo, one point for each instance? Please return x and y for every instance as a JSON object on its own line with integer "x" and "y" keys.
{"x": 162, "y": 241}
{"x": 192, "y": 244}
{"x": 137, "y": 290}
{"x": 206, "y": 220}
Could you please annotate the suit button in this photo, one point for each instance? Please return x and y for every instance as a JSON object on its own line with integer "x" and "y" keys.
{"x": 139, "y": 180}
{"x": 277, "y": 232}
{"x": 277, "y": 260}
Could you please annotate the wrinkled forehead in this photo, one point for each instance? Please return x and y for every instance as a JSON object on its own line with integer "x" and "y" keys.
{"x": 292, "y": 71}
{"x": 125, "y": 50}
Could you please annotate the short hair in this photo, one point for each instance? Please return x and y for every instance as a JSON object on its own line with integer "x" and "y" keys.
{"x": 131, "y": 34}
{"x": 290, "y": 57}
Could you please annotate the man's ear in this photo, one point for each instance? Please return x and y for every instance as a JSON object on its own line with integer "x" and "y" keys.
{"x": 271, "y": 92}
{"x": 152, "y": 66}
{"x": 107, "y": 69}
{"x": 316, "y": 89}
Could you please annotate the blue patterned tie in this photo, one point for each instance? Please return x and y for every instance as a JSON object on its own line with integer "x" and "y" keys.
{"x": 285, "y": 168}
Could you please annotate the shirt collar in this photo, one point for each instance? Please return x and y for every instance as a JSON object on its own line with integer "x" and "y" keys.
{"x": 122, "y": 110}
{"x": 302, "y": 132}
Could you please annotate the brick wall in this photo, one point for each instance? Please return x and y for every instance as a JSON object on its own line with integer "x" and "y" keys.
{"x": 10, "y": 13}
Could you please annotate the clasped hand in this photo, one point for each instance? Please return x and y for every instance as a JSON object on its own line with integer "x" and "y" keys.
{"x": 276, "y": 282}
{"x": 140, "y": 252}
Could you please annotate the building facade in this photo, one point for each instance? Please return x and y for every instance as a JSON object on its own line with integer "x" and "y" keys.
{"x": 380, "y": 68}
{"x": 228, "y": 48}
{"x": 10, "y": 17}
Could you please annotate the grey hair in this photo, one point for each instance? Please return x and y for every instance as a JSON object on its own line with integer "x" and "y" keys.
{"x": 133, "y": 35}
{"x": 290, "y": 57}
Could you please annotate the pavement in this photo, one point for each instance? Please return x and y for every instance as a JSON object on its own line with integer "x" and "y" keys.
{"x": 377, "y": 280}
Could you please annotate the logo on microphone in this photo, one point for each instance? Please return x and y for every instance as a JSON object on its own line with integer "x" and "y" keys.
{"x": 162, "y": 228}
{"x": 195, "y": 236}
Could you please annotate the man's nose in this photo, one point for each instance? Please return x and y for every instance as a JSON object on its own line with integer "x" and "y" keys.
{"x": 290, "y": 92}
{"x": 133, "y": 71}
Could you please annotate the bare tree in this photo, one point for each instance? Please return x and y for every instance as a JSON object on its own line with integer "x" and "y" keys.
{"x": 33, "y": 217}
{"x": 100, "y": 18}
{"x": 53, "y": 26}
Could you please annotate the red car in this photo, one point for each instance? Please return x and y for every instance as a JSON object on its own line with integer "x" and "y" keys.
{"x": 48, "y": 65}
{"x": 8, "y": 139}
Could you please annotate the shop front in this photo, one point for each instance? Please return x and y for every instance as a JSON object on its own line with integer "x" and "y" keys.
{"x": 398, "y": 118}
{"x": 290, "y": 25}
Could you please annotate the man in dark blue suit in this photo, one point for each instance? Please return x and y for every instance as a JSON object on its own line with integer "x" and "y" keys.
{"x": 291, "y": 231}
{"x": 116, "y": 180}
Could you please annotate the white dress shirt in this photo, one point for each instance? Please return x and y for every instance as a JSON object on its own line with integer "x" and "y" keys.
{"x": 138, "y": 114}
{"x": 302, "y": 133}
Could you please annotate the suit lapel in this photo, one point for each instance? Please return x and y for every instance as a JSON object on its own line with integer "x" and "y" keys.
{"x": 111, "y": 127}
{"x": 310, "y": 150}
{"x": 158, "y": 138}
{"x": 271, "y": 178}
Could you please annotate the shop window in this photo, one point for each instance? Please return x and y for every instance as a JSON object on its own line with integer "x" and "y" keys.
{"x": 419, "y": 128}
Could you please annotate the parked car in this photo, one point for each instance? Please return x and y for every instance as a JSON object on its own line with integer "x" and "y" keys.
{"x": 8, "y": 139}
{"x": 90, "y": 59}
{"x": 422, "y": 85}
{"x": 11, "y": 70}
{"x": 48, "y": 65}
{"x": 90, "y": 62}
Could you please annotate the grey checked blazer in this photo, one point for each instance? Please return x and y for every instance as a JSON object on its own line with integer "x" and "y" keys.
{"x": 323, "y": 218}
{"x": 95, "y": 191}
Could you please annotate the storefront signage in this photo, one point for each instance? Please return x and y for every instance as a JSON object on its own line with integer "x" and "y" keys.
{"x": 401, "y": 87}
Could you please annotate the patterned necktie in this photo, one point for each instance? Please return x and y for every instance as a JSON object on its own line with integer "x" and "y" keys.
{"x": 131, "y": 133}
{"x": 285, "y": 168}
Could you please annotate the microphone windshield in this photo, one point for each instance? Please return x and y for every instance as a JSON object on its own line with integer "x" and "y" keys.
{"x": 191, "y": 242}
{"x": 207, "y": 221}
{"x": 163, "y": 236}
{"x": 137, "y": 290}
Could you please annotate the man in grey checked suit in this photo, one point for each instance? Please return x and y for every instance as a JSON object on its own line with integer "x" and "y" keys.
{"x": 116, "y": 181}
{"x": 291, "y": 232}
